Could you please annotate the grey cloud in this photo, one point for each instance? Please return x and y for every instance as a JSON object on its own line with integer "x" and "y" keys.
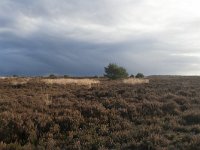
{"x": 81, "y": 37}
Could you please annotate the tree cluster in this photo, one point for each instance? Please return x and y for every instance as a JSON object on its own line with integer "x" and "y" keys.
{"x": 113, "y": 71}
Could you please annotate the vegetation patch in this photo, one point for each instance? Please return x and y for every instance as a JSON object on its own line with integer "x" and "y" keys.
{"x": 53, "y": 114}
{"x": 135, "y": 81}
{"x": 86, "y": 82}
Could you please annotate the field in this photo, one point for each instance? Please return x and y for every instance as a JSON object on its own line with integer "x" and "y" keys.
{"x": 39, "y": 114}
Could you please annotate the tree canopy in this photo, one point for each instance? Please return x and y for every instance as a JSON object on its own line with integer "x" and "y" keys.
{"x": 113, "y": 71}
{"x": 139, "y": 75}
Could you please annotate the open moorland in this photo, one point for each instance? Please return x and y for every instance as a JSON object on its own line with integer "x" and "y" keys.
{"x": 41, "y": 113}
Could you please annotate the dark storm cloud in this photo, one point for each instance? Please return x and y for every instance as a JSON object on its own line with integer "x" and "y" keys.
{"x": 80, "y": 37}
{"x": 54, "y": 55}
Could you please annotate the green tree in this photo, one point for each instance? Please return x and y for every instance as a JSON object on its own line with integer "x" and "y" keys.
{"x": 139, "y": 75}
{"x": 52, "y": 76}
{"x": 114, "y": 71}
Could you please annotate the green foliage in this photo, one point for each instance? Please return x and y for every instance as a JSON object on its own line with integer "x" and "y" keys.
{"x": 52, "y": 76}
{"x": 132, "y": 76}
{"x": 66, "y": 76}
{"x": 15, "y": 76}
{"x": 96, "y": 76}
{"x": 139, "y": 75}
{"x": 114, "y": 71}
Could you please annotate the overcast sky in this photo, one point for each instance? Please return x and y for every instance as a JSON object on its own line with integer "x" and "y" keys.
{"x": 80, "y": 37}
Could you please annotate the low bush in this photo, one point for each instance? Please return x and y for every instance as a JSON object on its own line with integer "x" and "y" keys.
{"x": 52, "y": 76}
{"x": 139, "y": 75}
{"x": 192, "y": 117}
{"x": 110, "y": 115}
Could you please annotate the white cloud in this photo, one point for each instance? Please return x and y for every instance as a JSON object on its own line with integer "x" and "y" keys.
{"x": 27, "y": 25}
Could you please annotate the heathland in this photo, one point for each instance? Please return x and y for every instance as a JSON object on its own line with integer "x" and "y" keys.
{"x": 41, "y": 113}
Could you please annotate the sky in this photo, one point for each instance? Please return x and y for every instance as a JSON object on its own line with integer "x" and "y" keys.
{"x": 81, "y": 37}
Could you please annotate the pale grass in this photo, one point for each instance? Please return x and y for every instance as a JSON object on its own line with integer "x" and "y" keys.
{"x": 135, "y": 81}
{"x": 47, "y": 99}
{"x": 19, "y": 81}
{"x": 84, "y": 82}
{"x": 8, "y": 77}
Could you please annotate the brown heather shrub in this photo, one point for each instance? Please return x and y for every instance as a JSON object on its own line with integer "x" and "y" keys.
{"x": 181, "y": 100}
{"x": 163, "y": 114}
{"x": 150, "y": 108}
{"x": 121, "y": 137}
{"x": 92, "y": 110}
{"x": 170, "y": 108}
{"x": 195, "y": 143}
{"x": 158, "y": 141}
{"x": 192, "y": 117}
{"x": 184, "y": 93}
{"x": 195, "y": 129}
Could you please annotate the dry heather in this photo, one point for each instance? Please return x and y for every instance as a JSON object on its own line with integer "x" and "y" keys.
{"x": 84, "y": 82}
{"x": 161, "y": 115}
{"x": 135, "y": 81}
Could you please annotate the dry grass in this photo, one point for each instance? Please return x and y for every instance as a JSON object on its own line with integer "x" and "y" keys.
{"x": 135, "y": 81}
{"x": 47, "y": 99}
{"x": 84, "y": 82}
{"x": 8, "y": 77}
{"x": 18, "y": 81}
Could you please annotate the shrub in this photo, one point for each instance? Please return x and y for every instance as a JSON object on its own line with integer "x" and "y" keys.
{"x": 15, "y": 76}
{"x": 132, "y": 76}
{"x": 114, "y": 71}
{"x": 139, "y": 75}
{"x": 52, "y": 76}
{"x": 170, "y": 107}
{"x": 96, "y": 76}
{"x": 192, "y": 117}
{"x": 66, "y": 76}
